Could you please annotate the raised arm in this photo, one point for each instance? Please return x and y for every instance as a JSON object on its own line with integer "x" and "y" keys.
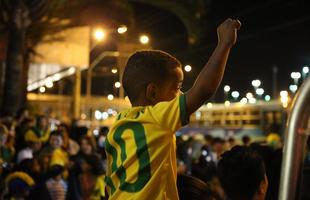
{"x": 211, "y": 75}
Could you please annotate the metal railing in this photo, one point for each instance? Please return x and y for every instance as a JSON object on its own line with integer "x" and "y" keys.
{"x": 297, "y": 131}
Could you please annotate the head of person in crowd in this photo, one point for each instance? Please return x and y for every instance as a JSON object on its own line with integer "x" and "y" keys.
{"x": 4, "y": 134}
{"x": 33, "y": 141}
{"x": 21, "y": 114}
{"x": 191, "y": 188}
{"x": 56, "y": 139}
{"x": 92, "y": 164}
{"x": 65, "y": 129}
{"x": 18, "y": 185}
{"x": 218, "y": 146}
{"x": 246, "y": 140}
{"x": 208, "y": 139}
{"x": 42, "y": 122}
{"x": 231, "y": 142}
{"x": 28, "y": 122}
{"x": 87, "y": 145}
{"x": 30, "y": 166}
{"x": 55, "y": 172}
{"x": 242, "y": 174}
{"x": 103, "y": 131}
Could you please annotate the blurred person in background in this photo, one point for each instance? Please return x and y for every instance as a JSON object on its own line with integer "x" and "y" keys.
{"x": 231, "y": 143}
{"x": 86, "y": 179}
{"x": 34, "y": 145}
{"x": 191, "y": 188}
{"x": 18, "y": 186}
{"x": 218, "y": 147}
{"x": 20, "y": 130}
{"x": 7, "y": 151}
{"x": 242, "y": 174}
{"x": 71, "y": 146}
{"x": 53, "y": 188}
{"x": 246, "y": 140}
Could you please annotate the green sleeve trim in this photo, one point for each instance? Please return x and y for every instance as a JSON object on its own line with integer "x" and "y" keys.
{"x": 184, "y": 116}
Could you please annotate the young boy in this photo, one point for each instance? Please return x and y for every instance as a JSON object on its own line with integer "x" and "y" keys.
{"x": 140, "y": 146}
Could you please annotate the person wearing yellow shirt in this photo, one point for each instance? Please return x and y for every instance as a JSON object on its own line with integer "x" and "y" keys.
{"x": 140, "y": 146}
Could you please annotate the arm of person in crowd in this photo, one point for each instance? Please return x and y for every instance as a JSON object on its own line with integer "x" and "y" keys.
{"x": 211, "y": 75}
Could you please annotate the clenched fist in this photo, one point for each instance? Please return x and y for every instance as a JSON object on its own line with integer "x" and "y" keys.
{"x": 227, "y": 32}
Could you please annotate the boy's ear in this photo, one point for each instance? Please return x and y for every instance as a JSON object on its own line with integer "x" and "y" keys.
{"x": 150, "y": 93}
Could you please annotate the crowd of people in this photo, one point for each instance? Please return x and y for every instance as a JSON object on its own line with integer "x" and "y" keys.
{"x": 68, "y": 162}
{"x": 44, "y": 160}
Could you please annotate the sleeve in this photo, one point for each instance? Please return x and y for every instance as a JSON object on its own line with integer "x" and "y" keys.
{"x": 172, "y": 114}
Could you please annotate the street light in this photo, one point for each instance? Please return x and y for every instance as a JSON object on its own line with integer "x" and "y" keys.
{"x": 226, "y": 88}
{"x": 49, "y": 83}
{"x": 293, "y": 88}
{"x": 295, "y": 76}
{"x": 267, "y": 97}
{"x": 122, "y": 29}
{"x": 188, "y": 68}
{"x": 110, "y": 97}
{"x": 305, "y": 71}
{"x": 243, "y": 100}
{"x": 249, "y": 95}
{"x": 235, "y": 94}
{"x": 259, "y": 91}
{"x": 117, "y": 84}
{"x": 284, "y": 98}
{"x": 144, "y": 39}
{"x": 256, "y": 83}
{"x": 99, "y": 34}
{"x": 114, "y": 70}
{"x": 42, "y": 89}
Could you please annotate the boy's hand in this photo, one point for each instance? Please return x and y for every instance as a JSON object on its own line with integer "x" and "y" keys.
{"x": 227, "y": 32}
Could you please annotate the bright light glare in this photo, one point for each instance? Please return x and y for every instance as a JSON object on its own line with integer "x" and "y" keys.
{"x": 244, "y": 100}
{"x": 122, "y": 29}
{"x": 110, "y": 97}
{"x": 249, "y": 95}
{"x": 97, "y": 115}
{"x": 235, "y": 94}
{"x": 49, "y": 83}
{"x": 260, "y": 91}
{"x": 295, "y": 75}
{"x": 99, "y": 34}
{"x": 42, "y": 89}
{"x": 227, "y": 103}
{"x": 283, "y": 93}
{"x": 144, "y": 39}
{"x": 209, "y": 105}
{"x": 117, "y": 84}
{"x": 293, "y": 88}
{"x": 104, "y": 115}
{"x": 305, "y": 69}
{"x": 252, "y": 100}
{"x": 114, "y": 70}
{"x": 267, "y": 98}
{"x": 256, "y": 83}
{"x": 188, "y": 68}
{"x": 226, "y": 88}
{"x": 56, "y": 77}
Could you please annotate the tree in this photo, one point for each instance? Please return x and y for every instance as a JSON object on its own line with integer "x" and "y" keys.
{"x": 28, "y": 21}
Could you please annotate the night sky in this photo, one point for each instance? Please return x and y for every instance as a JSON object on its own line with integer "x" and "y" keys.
{"x": 274, "y": 33}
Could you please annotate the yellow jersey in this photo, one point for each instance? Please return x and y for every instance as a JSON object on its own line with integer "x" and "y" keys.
{"x": 141, "y": 151}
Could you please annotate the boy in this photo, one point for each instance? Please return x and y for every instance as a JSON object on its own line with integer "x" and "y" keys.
{"x": 140, "y": 146}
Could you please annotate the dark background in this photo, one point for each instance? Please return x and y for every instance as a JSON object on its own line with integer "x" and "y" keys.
{"x": 273, "y": 33}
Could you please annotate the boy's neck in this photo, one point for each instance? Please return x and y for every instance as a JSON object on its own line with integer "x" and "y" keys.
{"x": 141, "y": 103}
